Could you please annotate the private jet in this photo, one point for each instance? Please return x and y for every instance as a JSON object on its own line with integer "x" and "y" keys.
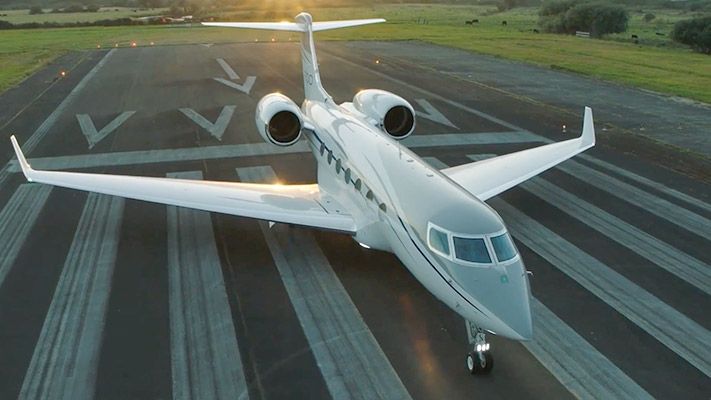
{"x": 371, "y": 187}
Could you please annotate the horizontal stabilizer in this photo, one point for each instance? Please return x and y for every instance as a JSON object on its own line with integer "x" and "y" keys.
{"x": 295, "y": 26}
{"x": 272, "y": 26}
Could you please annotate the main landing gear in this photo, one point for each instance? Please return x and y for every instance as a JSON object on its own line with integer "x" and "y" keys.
{"x": 479, "y": 360}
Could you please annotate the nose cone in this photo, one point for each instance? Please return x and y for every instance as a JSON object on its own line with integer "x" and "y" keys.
{"x": 504, "y": 293}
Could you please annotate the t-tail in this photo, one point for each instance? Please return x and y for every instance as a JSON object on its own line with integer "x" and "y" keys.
{"x": 313, "y": 90}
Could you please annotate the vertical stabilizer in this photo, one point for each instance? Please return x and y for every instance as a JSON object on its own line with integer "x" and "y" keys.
{"x": 313, "y": 90}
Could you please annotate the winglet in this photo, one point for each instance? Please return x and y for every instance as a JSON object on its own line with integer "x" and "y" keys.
{"x": 588, "y": 136}
{"x": 26, "y": 169}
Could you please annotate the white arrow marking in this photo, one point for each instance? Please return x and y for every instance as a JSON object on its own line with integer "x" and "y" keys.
{"x": 89, "y": 129}
{"x": 218, "y": 128}
{"x": 228, "y": 70}
{"x": 433, "y": 114}
{"x": 246, "y": 87}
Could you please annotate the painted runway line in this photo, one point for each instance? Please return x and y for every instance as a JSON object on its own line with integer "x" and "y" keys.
{"x": 350, "y": 359}
{"x": 89, "y": 129}
{"x": 65, "y": 360}
{"x": 582, "y": 369}
{"x": 661, "y": 208}
{"x": 646, "y": 181}
{"x": 228, "y": 70}
{"x": 42, "y": 130}
{"x": 245, "y": 87}
{"x": 216, "y": 129}
{"x": 205, "y": 357}
{"x": 39, "y": 134}
{"x": 679, "y": 333}
{"x": 432, "y": 114}
{"x": 250, "y": 150}
{"x": 17, "y": 219}
{"x": 673, "y": 260}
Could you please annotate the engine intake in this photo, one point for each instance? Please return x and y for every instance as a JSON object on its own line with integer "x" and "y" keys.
{"x": 389, "y": 112}
{"x": 279, "y": 120}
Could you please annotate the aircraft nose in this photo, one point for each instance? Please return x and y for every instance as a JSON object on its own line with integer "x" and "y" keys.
{"x": 519, "y": 322}
{"x": 504, "y": 292}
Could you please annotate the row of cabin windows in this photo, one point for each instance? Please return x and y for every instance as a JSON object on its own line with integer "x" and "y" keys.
{"x": 347, "y": 176}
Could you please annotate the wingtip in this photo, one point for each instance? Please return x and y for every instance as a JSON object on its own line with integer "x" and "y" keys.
{"x": 588, "y": 136}
{"x": 26, "y": 169}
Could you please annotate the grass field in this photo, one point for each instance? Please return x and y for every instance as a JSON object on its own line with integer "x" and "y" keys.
{"x": 23, "y": 16}
{"x": 661, "y": 67}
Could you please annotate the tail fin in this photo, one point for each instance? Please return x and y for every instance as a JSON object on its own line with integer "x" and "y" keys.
{"x": 313, "y": 90}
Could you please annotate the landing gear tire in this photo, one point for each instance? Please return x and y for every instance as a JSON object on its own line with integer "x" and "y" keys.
{"x": 480, "y": 363}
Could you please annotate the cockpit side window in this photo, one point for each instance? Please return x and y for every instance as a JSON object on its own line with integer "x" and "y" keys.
{"x": 438, "y": 241}
{"x": 503, "y": 247}
{"x": 471, "y": 250}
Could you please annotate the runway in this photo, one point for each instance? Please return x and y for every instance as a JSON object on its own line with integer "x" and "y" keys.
{"x": 108, "y": 298}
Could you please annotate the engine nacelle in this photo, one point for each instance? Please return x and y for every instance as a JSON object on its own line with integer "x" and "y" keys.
{"x": 389, "y": 112}
{"x": 278, "y": 119}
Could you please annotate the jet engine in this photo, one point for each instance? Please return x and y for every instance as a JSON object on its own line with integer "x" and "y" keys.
{"x": 389, "y": 112}
{"x": 279, "y": 119}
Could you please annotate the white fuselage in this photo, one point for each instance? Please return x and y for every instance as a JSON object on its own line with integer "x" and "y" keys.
{"x": 396, "y": 194}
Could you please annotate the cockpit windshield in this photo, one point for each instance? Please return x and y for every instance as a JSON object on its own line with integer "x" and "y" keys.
{"x": 503, "y": 247}
{"x": 470, "y": 249}
{"x": 439, "y": 241}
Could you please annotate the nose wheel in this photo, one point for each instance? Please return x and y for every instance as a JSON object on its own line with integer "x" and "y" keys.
{"x": 479, "y": 360}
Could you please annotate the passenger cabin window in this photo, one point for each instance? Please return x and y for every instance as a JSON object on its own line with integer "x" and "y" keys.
{"x": 471, "y": 250}
{"x": 503, "y": 247}
{"x": 438, "y": 241}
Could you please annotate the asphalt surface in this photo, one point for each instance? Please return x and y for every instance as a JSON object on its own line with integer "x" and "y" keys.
{"x": 114, "y": 299}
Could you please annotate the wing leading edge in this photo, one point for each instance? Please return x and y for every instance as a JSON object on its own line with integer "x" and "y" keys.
{"x": 292, "y": 204}
{"x": 485, "y": 179}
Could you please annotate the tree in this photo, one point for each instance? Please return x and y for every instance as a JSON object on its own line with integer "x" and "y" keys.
{"x": 36, "y": 10}
{"x": 694, "y": 32}
{"x": 569, "y": 16}
{"x": 648, "y": 17}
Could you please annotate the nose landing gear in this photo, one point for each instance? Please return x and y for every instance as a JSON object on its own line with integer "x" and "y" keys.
{"x": 479, "y": 360}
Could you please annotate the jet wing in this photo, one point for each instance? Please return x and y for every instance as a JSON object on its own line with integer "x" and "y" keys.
{"x": 485, "y": 179}
{"x": 294, "y": 204}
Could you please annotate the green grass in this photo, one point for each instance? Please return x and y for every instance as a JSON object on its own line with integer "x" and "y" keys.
{"x": 23, "y": 16}
{"x": 665, "y": 68}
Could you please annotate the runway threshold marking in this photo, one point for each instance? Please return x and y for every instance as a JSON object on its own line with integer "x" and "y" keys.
{"x": 89, "y": 129}
{"x": 205, "y": 357}
{"x": 583, "y": 370}
{"x": 667, "y": 257}
{"x": 648, "y": 182}
{"x": 251, "y": 150}
{"x": 663, "y": 255}
{"x": 16, "y": 221}
{"x": 39, "y": 134}
{"x": 432, "y": 114}
{"x": 216, "y": 129}
{"x": 350, "y": 359}
{"x": 676, "y": 331}
{"x": 65, "y": 360}
{"x": 664, "y": 209}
